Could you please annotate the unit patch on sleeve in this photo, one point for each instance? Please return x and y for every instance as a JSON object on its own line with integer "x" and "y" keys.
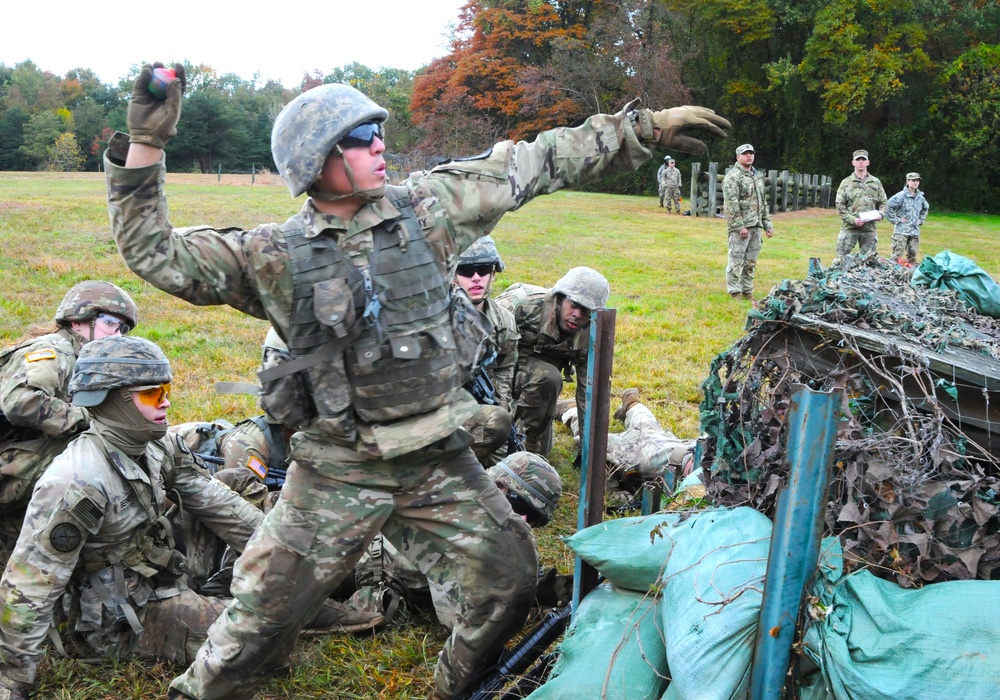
{"x": 39, "y": 355}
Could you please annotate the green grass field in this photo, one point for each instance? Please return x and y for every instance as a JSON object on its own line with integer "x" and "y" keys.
{"x": 667, "y": 282}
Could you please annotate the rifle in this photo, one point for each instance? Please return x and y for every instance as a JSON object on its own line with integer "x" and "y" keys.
{"x": 484, "y": 392}
{"x": 514, "y": 662}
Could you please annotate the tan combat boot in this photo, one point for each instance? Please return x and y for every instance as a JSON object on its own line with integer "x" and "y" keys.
{"x": 630, "y": 397}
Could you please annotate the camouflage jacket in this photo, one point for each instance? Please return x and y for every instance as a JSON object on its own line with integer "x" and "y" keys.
{"x": 744, "y": 197}
{"x": 911, "y": 207}
{"x": 535, "y": 311}
{"x": 505, "y": 337}
{"x": 669, "y": 176}
{"x": 855, "y": 196}
{"x": 34, "y": 382}
{"x": 92, "y": 509}
{"x": 455, "y": 203}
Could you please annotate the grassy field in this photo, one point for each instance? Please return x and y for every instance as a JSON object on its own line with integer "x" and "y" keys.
{"x": 667, "y": 281}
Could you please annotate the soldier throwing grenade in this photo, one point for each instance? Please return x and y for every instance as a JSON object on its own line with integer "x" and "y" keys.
{"x": 357, "y": 284}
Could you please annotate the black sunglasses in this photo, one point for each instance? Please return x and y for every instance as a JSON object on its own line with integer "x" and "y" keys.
{"x": 522, "y": 507}
{"x": 469, "y": 270}
{"x": 362, "y": 135}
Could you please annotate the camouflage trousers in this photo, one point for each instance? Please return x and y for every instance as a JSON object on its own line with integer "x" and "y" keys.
{"x": 673, "y": 199}
{"x": 537, "y": 385}
{"x": 644, "y": 446}
{"x": 866, "y": 241}
{"x": 743, "y": 254}
{"x": 437, "y": 506}
{"x": 175, "y": 628}
{"x": 490, "y": 429}
{"x": 905, "y": 247}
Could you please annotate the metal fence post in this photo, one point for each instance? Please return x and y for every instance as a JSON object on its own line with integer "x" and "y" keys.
{"x": 798, "y": 528}
{"x": 594, "y": 439}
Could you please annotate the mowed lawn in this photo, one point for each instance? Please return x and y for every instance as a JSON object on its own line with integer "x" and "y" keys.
{"x": 667, "y": 281}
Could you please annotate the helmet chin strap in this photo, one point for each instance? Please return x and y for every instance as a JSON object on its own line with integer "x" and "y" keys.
{"x": 367, "y": 196}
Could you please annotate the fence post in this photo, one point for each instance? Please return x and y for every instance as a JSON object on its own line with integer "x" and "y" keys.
{"x": 695, "y": 177}
{"x": 772, "y": 175}
{"x": 253, "y": 173}
{"x": 786, "y": 185}
{"x": 219, "y": 176}
{"x": 713, "y": 186}
{"x": 826, "y": 191}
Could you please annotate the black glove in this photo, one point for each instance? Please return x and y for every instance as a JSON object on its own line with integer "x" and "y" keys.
{"x": 677, "y": 124}
{"x": 150, "y": 120}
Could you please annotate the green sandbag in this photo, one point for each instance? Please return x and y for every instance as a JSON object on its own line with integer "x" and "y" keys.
{"x": 711, "y": 604}
{"x": 878, "y": 641}
{"x": 614, "y": 650}
{"x": 626, "y": 550}
{"x": 952, "y": 271}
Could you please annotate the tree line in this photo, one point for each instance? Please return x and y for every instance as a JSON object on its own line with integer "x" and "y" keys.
{"x": 915, "y": 82}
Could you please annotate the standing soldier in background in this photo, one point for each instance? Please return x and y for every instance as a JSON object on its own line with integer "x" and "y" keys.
{"x": 96, "y": 528}
{"x": 552, "y": 345}
{"x": 37, "y": 420}
{"x": 861, "y": 203}
{"x": 745, "y": 205}
{"x": 670, "y": 185}
{"x": 490, "y": 426}
{"x": 907, "y": 209}
{"x": 358, "y": 286}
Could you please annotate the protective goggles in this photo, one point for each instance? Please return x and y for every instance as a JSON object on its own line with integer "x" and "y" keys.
{"x": 362, "y": 135}
{"x": 523, "y": 508}
{"x": 114, "y": 323}
{"x": 481, "y": 269}
{"x": 153, "y": 396}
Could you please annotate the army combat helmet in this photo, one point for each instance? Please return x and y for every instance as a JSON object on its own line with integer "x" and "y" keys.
{"x": 85, "y": 300}
{"x": 533, "y": 487}
{"x": 584, "y": 286}
{"x": 116, "y": 362}
{"x": 311, "y": 125}
{"x": 482, "y": 252}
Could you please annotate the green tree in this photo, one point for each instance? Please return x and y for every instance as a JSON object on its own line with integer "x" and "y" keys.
{"x": 41, "y": 132}
{"x": 12, "y": 122}
{"x": 65, "y": 156}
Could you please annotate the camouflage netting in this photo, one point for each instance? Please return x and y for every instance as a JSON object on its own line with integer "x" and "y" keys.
{"x": 914, "y": 492}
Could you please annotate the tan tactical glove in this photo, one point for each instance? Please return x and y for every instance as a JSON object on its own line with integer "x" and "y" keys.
{"x": 150, "y": 120}
{"x": 676, "y": 125}
{"x": 13, "y": 690}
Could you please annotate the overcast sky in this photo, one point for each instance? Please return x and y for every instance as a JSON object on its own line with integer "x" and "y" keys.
{"x": 282, "y": 40}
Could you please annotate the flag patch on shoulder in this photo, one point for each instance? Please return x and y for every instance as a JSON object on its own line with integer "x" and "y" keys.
{"x": 257, "y": 467}
{"x": 39, "y": 355}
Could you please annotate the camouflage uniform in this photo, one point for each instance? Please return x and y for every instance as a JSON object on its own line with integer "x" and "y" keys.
{"x": 670, "y": 187}
{"x": 545, "y": 356}
{"x": 34, "y": 397}
{"x": 38, "y": 419}
{"x": 490, "y": 426}
{"x": 96, "y": 529}
{"x": 745, "y": 204}
{"x": 644, "y": 449}
{"x": 412, "y": 477}
{"x": 856, "y": 195}
{"x": 906, "y": 235}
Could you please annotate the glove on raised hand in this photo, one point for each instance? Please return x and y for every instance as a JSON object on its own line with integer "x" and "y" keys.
{"x": 150, "y": 120}
{"x": 677, "y": 124}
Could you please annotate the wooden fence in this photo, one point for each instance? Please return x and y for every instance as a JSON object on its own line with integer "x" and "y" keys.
{"x": 785, "y": 191}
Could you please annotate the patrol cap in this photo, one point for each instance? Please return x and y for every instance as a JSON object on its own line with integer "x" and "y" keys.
{"x": 740, "y": 150}
{"x": 860, "y": 153}
{"x": 912, "y": 176}
{"x": 670, "y": 160}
